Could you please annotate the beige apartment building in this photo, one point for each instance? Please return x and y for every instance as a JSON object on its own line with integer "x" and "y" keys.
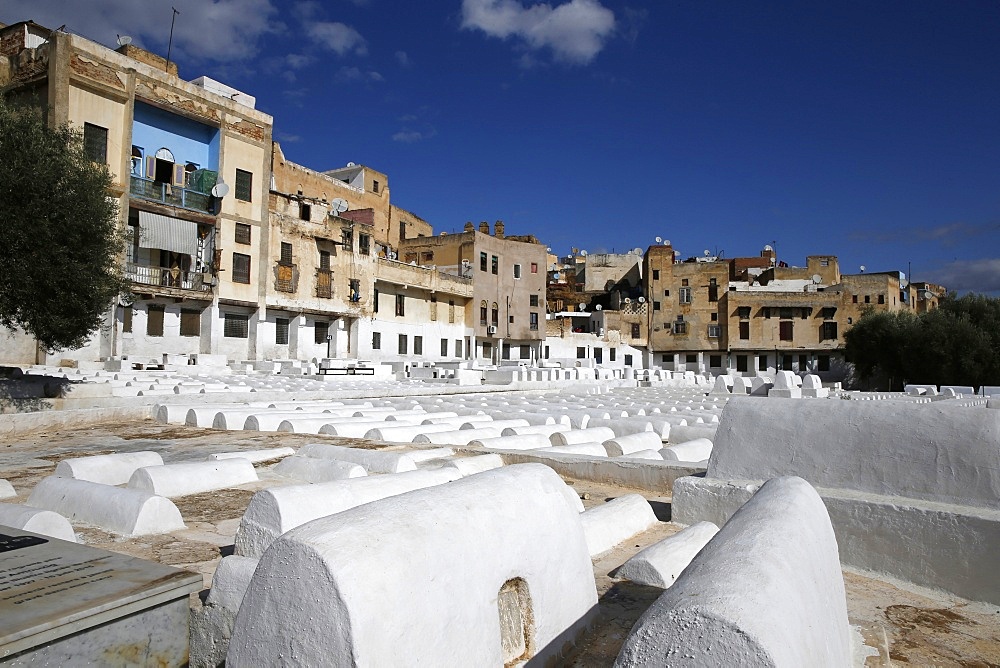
{"x": 191, "y": 166}
{"x": 506, "y": 312}
{"x": 755, "y": 315}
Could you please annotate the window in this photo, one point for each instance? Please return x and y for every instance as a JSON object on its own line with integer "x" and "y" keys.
{"x": 305, "y": 211}
{"x": 418, "y": 345}
{"x": 532, "y": 300}
{"x": 714, "y": 331}
{"x": 656, "y": 274}
{"x": 824, "y": 263}
{"x": 684, "y": 282}
{"x": 656, "y": 306}
{"x": 827, "y": 331}
{"x": 785, "y": 330}
{"x": 666, "y": 293}
{"x": 581, "y": 352}
{"x": 715, "y": 317}
{"x": 482, "y": 313}
{"x": 127, "y": 320}
{"x": 505, "y": 351}
{"x": 691, "y": 358}
{"x": 324, "y": 260}
{"x": 241, "y": 268}
{"x": 525, "y": 352}
{"x": 803, "y": 362}
{"x": 375, "y": 300}
{"x": 854, "y": 299}
{"x": 458, "y": 348}
{"x": 374, "y": 186}
{"x": 628, "y": 360}
{"x": 805, "y": 312}
{"x": 495, "y": 265}
{"x": 400, "y": 305}
{"x": 766, "y": 311}
{"x": 487, "y": 349}
{"x": 534, "y": 267}
{"x": 762, "y": 363}
{"x": 715, "y": 361}
{"x": 190, "y": 322}
{"x": 364, "y": 244}
{"x": 434, "y": 308}
{"x": 286, "y": 254}
{"x": 680, "y": 327}
{"x": 823, "y": 363}
{"x": 347, "y": 239}
{"x": 745, "y": 330}
{"x": 533, "y": 321}
{"x": 401, "y": 344}
{"x": 281, "y": 331}
{"x": 743, "y": 312}
{"x": 785, "y": 313}
{"x": 546, "y": 352}
{"x": 741, "y": 363}
{"x": 828, "y": 312}
{"x": 236, "y": 326}
{"x": 154, "y": 320}
{"x": 376, "y": 340}
{"x": 786, "y": 362}
{"x": 444, "y": 347}
{"x": 354, "y": 289}
{"x": 242, "y": 233}
{"x": 244, "y": 185}
{"x": 495, "y": 315}
{"x": 427, "y": 258}
{"x": 95, "y": 142}
{"x": 612, "y": 354}
{"x": 667, "y": 358}
{"x": 868, "y": 299}
{"x": 510, "y": 319}
{"x": 685, "y": 296}
{"x": 321, "y": 331}
{"x": 713, "y": 290}
{"x": 881, "y": 299}
{"x": 599, "y": 355}
{"x": 517, "y": 271}
{"x": 482, "y": 262}
{"x": 635, "y": 330}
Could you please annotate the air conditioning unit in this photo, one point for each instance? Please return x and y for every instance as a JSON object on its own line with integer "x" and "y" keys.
{"x": 492, "y": 329}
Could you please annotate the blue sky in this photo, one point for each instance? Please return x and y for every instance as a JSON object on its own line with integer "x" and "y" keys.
{"x": 869, "y": 130}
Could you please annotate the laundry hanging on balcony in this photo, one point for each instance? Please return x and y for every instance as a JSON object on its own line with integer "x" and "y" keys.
{"x": 168, "y": 233}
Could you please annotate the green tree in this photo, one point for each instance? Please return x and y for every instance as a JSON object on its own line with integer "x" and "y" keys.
{"x": 60, "y": 242}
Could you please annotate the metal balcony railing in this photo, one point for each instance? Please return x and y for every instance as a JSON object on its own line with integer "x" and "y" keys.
{"x": 165, "y": 193}
{"x": 169, "y": 278}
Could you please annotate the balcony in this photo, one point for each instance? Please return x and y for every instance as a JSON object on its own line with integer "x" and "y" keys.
{"x": 168, "y": 278}
{"x": 156, "y": 191}
{"x": 428, "y": 278}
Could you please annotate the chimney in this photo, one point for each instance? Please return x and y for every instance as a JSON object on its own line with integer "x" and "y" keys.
{"x": 484, "y": 227}
{"x": 498, "y": 229}
{"x": 469, "y": 227}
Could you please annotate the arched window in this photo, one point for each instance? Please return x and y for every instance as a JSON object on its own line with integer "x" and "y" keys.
{"x": 482, "y": 313}
{"x": 495, "y": 315}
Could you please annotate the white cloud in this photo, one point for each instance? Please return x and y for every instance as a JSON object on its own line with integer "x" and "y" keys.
{"x": 575, "y": 31}
{"x": 338, "y": 37}
{"x": 354, "y": 74}
{"x": 965, "y": 275}
{"x": 407, "y": 136}
{"x": 220, "y": 30}
{"x": 402, "y": 58}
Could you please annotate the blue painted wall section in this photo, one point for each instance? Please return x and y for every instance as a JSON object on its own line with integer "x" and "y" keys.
{"x": 188, "y": 140}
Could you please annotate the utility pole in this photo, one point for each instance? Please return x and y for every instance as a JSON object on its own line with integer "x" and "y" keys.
{"x": 170, "y": 42}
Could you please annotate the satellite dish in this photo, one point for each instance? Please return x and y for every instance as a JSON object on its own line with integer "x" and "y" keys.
{"x": 767, "y": 247}
{"x": 338, "y": 206}
{"x": 659, "y": 239}
{"x": 903, "y": 283}
{"x": 582, "y": 306}
{"x": 548, "y": 249}
{"x": 642, "y": 300}
{"x": 583, "y": 253}
{"x": 629, "y": 301}
{"x": 599, "y": 307}
{"x": 863, "y": 269}
{"x": 351, "y": 164}
{"x": 677, "y": 253}
{"x": 817, "y": 279}
{"x": 555, "y": 276}
{"x": 220, "y": 190}
{"x": 926, "y": 294}
{"x": 707, "y": 252}
{"x": 637, "y": 251}
{"x": 124, "y": 40}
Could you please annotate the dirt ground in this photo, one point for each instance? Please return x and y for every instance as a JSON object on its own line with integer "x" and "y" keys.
{"x": 898, "y": 624}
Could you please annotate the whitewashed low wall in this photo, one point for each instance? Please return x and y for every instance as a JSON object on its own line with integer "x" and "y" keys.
{"x": 333, "y": 587}
{"x": 767, "y": 590}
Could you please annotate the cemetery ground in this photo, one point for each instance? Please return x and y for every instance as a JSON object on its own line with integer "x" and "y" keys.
{"x": 900, "y": 624}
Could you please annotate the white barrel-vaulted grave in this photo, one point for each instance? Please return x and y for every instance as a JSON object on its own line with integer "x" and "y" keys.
{"x": 767, "y": 590}
{"x": 377, "y": 585}
{"x": 113, "y": 469}
{"x": 373, "y": 461}
{"x": 186, "y": 478}
{"x": 272, "y": 512}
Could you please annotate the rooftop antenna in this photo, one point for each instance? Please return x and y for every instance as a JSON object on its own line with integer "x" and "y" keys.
{"x": 170, "y": 42}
